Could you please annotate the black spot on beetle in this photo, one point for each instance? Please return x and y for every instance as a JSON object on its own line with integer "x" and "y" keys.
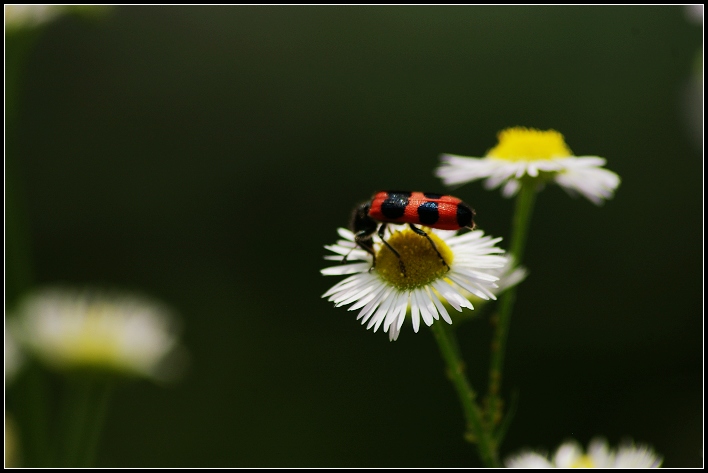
{"x": 428, "y": 213}
{"x": 395, "y": 204}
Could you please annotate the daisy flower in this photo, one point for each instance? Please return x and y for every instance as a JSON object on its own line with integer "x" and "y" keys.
{"x": 530, "y": 154}
{"x": 72, "y": 329}
{"x": 599, "y": 455}
{"x": 384, "y": 294}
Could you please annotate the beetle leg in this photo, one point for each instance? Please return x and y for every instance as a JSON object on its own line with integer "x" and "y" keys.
{"x": 363, "y": 240}
{"x": 422, "y": 233}
{"x": 382, "y": 228}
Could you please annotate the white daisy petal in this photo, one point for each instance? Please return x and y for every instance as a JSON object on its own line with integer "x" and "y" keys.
{"x": 339, "y": 285}
{"x": 567, "y": 454}
{"x": 341, "y": 250}
{"x": 415, "y": 313}
{"x": 400, "y": 304}
{"x": 640, "y": 456}
{"x": 346, "y": 234}
{"x": 393, "y": 333}
{"x": 333, "y": 258}
{"x": 380, "y": 313}
{"x": 355, "y": 281}
{"x": 510, "y": 189}
{"x": 468, "y": 287}
{"x": 369, "y": 308}
{"x": 450, "y": 296}
{"x": 600, "y": 453}
{"x": 477, "y": 276}
{"x": 528, "y": 460}
{"x": 345, "y": 269}
{"x": 423, "y": 306}
{"x": 365, "y": 300}
{"x": 402, "y": 315}
{"x": 439, "y": 305}
{"x": 429, "y": 305}
{"x": 355, "y": 293}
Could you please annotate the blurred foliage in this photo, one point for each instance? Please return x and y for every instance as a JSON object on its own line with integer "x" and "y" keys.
{"x": 206, "y": 154}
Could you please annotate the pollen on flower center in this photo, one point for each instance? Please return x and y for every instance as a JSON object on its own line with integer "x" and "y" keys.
{"x": 583, "y": 462}
{"x": 92, "y": 342}
{"x": 422, "y": 263}
{"x": 522, "y": 144}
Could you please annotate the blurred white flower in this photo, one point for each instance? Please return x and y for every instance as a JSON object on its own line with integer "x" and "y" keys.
{"x": 570, "y": 455}
{"x": 530, "y": 154}
{"x": 88, "y": 329}
{"x": 13, "y": 357}
{"x": 695, "y": 13}
{"x": 31, "y": 16}
{"x": 27, "y": 16}
{"x": 509, "y": 275}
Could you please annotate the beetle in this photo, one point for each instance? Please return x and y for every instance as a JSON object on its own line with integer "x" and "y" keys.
{"x": 443, "y": 212}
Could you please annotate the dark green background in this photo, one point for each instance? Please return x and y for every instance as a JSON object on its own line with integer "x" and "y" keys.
{"x": 204, "y": 155}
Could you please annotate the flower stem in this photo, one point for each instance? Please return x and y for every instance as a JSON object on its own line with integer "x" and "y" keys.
{"x": 96, "y": 422}
{"x": 520, "y": 225}
{"x": 31, "y": 407}
{"x": 84, "y": 411}
{"x": 473, "y": 414}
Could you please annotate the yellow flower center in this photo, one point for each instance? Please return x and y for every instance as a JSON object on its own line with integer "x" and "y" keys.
{"x": 583, "y": 462}
{"x": 95, "y": 343}
{"x": 421, "y": 264}
{"x": 525, "y": 144}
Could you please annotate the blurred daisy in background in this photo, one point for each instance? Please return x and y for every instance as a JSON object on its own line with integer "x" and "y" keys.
{"x": 384, "y": 294}
{"x": 19, "y": 17}
{"x": 509, "y": 276}
{"x": 535, "y": 155}
{"x": 13, "y": 357}
{"x": 692, "y": 93}
{"x": 27, "y": 16}
{"x": 599, "y": 455}
{"x": 70, "y": 329}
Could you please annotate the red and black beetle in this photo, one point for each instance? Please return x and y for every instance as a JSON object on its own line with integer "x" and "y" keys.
{"x": 443, "y": 212}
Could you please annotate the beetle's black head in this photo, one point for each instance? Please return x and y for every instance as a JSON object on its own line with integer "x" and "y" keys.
{"x": 360, "y": 223}
{"x": 465, "y": 215}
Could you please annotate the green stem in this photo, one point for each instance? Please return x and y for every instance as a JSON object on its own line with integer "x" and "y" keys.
{"x": 32, "y": 413}
{"x": 473, "y": 414}
{"x": 76, "y": 414}
{"x": 520, "y": 226}
{"x": 18, "y": 267}
{"x": 85, "y": 408}
{"x": 96, "y": 422}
